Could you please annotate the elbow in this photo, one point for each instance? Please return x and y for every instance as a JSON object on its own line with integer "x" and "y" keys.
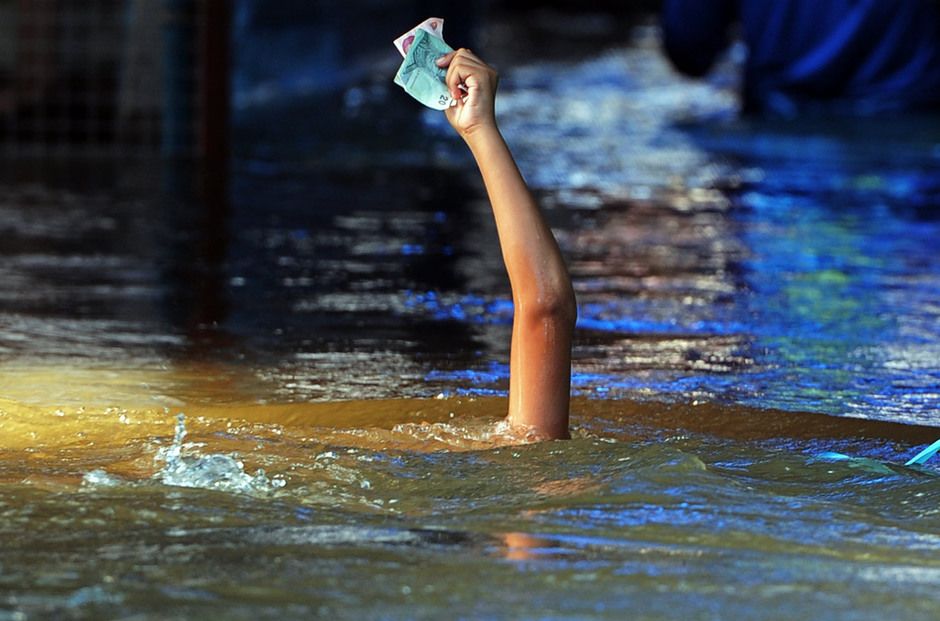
{"x": 555, "y": 305}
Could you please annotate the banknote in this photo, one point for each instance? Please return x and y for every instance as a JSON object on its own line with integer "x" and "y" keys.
{"x": 432, "y": 25}
{"x": 419, "y": 74}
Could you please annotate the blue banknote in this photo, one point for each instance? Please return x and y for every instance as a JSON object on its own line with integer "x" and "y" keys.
{"x": 419, "y": 74}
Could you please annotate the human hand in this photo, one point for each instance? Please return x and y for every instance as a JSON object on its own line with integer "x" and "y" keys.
{"x": 472, "y": 84}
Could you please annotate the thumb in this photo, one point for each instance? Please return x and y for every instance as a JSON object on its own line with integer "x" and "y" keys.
{"x": 444, "y": 60}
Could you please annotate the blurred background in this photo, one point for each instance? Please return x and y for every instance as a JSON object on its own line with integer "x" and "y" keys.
{"x": 138, "y": 76}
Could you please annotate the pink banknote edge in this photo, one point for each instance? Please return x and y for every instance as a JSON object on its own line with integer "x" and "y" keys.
{"x": 432, "y": 25}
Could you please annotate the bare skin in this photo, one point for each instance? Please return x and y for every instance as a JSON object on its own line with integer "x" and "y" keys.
{"x": 545, "y": 307}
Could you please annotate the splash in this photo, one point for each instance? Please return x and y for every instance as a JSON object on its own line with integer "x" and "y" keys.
{"x": 469, "y": 436}
{"x": 216, "y": 471}
{"x": 100, "y": 478}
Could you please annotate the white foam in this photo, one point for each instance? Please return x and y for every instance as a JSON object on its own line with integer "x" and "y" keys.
{"x": 215, "y": 471}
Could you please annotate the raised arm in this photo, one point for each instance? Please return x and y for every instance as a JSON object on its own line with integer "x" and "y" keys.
{"x": 544, "y": 302}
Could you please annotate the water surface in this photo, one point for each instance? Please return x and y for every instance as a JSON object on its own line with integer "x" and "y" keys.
{"x": 752, "y": 296}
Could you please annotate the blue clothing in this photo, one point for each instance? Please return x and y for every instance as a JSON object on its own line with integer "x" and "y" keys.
{"x": 861, "y": 56}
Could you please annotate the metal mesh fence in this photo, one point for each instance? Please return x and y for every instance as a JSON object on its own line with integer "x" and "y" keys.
{"x": 101, "y": 76}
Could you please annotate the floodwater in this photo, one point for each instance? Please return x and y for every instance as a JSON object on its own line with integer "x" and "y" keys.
{"x": 753, "y": 297}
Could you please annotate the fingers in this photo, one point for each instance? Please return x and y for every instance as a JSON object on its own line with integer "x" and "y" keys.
{"x": 465, "y": 70}
{"x": 444, "y": 60}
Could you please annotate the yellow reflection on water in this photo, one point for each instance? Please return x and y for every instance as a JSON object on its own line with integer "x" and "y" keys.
{"x": 64, "y": 420}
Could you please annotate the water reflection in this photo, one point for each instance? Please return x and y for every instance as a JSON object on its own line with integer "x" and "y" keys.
{"x": 723, "y": 271}
{"x": 372, "y": 508}
{"x": 786, "y": 266}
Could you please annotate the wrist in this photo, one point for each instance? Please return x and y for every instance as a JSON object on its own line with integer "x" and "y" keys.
{"x": 481, "y": 134}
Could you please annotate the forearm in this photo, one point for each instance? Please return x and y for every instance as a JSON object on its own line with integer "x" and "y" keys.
{"x": 537, "y": 272}
{"x": 545, "y": 309}
{"x": 544, "y": 305}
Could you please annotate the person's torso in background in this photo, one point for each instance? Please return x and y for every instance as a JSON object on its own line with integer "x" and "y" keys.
{"x": 860, "y": 56}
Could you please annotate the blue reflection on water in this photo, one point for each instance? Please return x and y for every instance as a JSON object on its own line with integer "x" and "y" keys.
{"x": 845, "y": 278}
{"x": 809, "y": 281}
{"x": 778, "y": 265}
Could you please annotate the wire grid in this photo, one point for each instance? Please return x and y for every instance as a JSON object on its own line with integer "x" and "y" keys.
{"x": 85, "y": 76}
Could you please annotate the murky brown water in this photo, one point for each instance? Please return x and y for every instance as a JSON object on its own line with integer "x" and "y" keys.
{"x": 748, "y": 304}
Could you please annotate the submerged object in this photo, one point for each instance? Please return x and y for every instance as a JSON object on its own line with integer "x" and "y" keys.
{"x": 925, "y": 454}
{"x": 874, "y": 465}
{"x": 865, "y": 463}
